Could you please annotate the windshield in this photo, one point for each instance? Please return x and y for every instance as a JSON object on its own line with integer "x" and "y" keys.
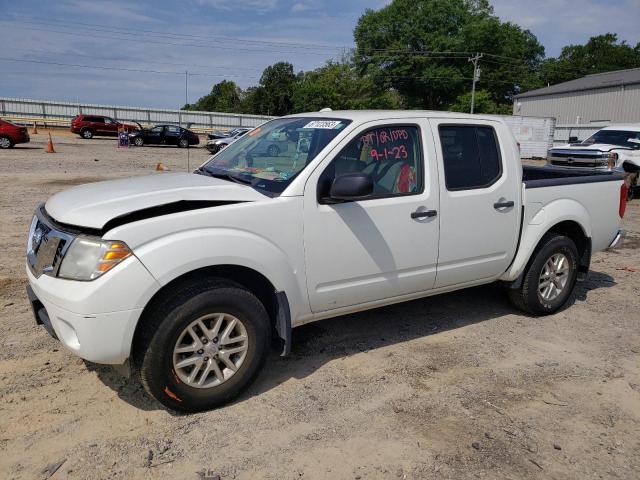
{"x": 270, "y": 156}
{"x": 614, "y": 137}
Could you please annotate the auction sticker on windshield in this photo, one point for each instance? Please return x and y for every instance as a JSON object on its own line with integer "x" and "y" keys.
{"x": 326, "y": 124}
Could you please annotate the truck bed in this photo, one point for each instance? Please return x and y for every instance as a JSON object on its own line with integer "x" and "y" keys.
{"x": 549, "y": 176}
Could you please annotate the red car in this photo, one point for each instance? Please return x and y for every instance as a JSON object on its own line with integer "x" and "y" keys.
{"x": 88, "y": 126}
{"x": 11, "y": 134}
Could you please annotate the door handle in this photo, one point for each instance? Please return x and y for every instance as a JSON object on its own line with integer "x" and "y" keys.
{"x": 424, "y": 213}
{"x": 508, "y": 204}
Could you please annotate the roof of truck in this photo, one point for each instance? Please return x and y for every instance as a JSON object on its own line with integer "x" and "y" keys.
{"x": 632, "y": 127}
{"x": 368, "y": 115}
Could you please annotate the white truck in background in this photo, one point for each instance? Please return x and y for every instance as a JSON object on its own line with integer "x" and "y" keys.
{"x": 187, "y": 276}
{"x": 614, "y": 148}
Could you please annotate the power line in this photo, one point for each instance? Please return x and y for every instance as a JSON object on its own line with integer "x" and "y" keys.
{"x": 315, "y": 46}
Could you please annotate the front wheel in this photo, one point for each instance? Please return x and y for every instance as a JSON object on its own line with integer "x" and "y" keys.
{"x": 5, "y": 142}
{"x": 138, "y": 142}
{"x": 550, "y": 276}
{"x": 202, "y": 346}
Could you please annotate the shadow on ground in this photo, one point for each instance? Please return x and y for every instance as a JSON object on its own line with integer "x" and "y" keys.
{"x": 318, "y": 343}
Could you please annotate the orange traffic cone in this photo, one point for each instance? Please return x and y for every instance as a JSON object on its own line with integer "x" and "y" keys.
{"x": 35, "y": 128}
{"x": 50, "y": 148}
{"x": 161, "y": 167}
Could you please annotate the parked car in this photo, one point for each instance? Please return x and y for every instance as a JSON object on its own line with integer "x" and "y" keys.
{"x": 12, "y": 134}
{"x": 215, "y": 145}
{"x": 89, "y": 126}
{"x": 188, "y": 275}
{"x": 613, "y": 148}
{"x": 217, "y": 134}
{"x": 164, "y": 135}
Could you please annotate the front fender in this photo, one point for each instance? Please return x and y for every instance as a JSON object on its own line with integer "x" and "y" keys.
{"x": 171, "y": 256}
{"x": 538, "y": 222}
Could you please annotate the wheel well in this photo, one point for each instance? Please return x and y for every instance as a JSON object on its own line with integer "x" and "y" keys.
{"x": 574, "y": 231}
{"x": 252, "y": 280}
{"x": 630, "y": 167}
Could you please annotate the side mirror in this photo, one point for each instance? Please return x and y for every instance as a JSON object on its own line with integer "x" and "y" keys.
{"x": 350, "y": 187}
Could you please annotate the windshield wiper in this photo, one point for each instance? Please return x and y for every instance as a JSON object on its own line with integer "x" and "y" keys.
{"x": 224, "y": 176}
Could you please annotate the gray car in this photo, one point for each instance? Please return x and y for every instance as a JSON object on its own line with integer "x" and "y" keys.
{"x": 214, "y": 146}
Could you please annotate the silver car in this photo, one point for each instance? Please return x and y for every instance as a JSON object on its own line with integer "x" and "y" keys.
{"x": 214, "y": 146}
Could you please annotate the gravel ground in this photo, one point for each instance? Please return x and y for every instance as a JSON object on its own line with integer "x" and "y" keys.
{"x": 451, "y": 387}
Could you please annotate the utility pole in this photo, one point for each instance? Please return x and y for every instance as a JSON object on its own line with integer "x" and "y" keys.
{"x": 186, "y": 102}
{"x": 476, "y": 76}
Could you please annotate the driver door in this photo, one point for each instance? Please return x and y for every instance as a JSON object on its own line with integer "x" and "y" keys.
{"x": 384, "y": 246}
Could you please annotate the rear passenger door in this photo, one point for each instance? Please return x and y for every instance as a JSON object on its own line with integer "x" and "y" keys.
{"x": 479, "y": 200}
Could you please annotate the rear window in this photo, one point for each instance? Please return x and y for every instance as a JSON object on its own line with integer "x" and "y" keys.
{"x": 471, "y": 156}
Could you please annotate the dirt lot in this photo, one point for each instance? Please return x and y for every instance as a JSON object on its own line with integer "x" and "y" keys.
{"x": 457, "y": 386}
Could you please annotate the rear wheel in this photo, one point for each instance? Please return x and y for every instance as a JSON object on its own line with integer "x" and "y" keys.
{"x": 5, "y": 142}
{"x": 550, "y": 276}
{"x": 86, "y": 133}
{"x": 183, "y": 143}
{"x": 202, "y": 346}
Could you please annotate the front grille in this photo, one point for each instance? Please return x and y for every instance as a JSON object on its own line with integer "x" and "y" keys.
{"x": 46, "y": 246}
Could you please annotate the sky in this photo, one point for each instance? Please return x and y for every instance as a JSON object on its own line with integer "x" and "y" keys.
{"x": 49, "y": 45}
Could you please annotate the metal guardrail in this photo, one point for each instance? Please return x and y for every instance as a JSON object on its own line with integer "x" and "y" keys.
{"x": 61, "y": 113}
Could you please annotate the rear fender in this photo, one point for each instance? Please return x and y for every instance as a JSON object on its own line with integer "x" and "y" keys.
{"x": 539, "y": 224}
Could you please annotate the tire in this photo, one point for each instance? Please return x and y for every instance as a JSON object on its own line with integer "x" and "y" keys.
{"x": 530, "y": 296}
{"x": 165, "y": 329}
{"x": 5, "y": 142}
{"x": 86, "y": 133}
{"x": 183, "y": 143}
{"x": 273, "y": 151}
{"x": 138, "y": 141}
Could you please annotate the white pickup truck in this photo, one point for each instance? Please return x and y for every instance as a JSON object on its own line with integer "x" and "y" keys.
{"x": 613, "y": 148}
{"x": 186, "y": 277}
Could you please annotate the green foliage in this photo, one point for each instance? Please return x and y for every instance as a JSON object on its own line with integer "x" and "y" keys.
{"x": 224, "y": 97}
{"x": 405, "y": 58}
{"x": 602, "y": 53}
{"x": 277, "y": 86}
{"x": 395, "y": 48}
{"x": 483, "y": 103}
{"x": 339, "y": 87}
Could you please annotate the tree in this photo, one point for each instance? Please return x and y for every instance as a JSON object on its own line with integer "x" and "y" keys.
{"x": 275, "y": 93}
{"x": 602, "y": 53}
{"x": 224, "y": 97}
{"x": 483, "y": 103}
{"x": 405, "y": 51}
{"x": 338, "y": 86}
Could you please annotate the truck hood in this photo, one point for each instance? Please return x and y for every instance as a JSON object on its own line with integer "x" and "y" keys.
{"x": 602, "y": 147}
{"x": 94, "y": 204}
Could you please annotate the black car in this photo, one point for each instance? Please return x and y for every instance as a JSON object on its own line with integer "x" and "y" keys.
{"x": 164, "y": 135}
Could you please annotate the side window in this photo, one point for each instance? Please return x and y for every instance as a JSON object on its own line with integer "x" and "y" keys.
{"x": 391, "y": 155}
{"x": 471, "y": 156}
{"x": 108, "y": 121}
{"x": 173, "y": 129}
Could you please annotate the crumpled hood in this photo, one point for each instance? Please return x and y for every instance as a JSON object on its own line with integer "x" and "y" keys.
{"x": 94, "y": 204}
{"x": 603, "y": 147}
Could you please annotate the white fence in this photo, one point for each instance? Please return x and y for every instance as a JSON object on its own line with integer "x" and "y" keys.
{"x": 24, "y": 110}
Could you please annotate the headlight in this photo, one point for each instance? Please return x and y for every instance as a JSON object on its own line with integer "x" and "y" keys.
{"x": 88, "y": 258}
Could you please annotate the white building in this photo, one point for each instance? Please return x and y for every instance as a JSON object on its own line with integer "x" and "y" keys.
{"x": 604, "y": 98}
